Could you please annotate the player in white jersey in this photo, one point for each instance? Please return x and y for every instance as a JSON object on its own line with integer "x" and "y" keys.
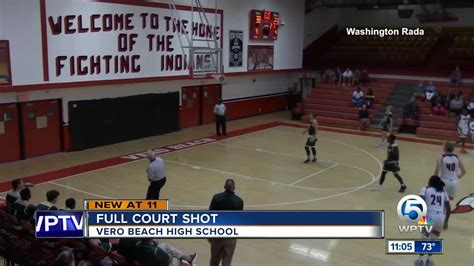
{"x": 463, "y": 129}
{"x": 450, "y": 169}
{"x": 437, "y": 202}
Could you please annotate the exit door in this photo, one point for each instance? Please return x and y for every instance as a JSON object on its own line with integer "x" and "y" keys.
{"x": 197, "y": 104}
{"x": 9, "y": 133}
{"x": 41, "y": 128}
{"x": 190, "y": 107}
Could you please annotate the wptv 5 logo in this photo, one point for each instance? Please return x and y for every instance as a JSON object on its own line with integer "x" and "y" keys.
{"x": 54, "y": 224}
{"x": 412, "y": 210}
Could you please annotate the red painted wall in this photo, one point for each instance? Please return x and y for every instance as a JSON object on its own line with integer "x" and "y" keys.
{"x": 255, "y": 106}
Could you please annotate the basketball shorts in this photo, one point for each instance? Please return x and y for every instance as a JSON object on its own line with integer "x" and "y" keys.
{"x": 438, "y": 220}
{"x": 391, "y": 167}
{"x": 311, "y": 142}
{"x": 463, "y": 132}
{"x": 452, "y": 186}
{"x": 385, "y": 128}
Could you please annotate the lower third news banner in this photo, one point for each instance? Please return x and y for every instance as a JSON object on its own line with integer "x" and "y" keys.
{"x": 234, "y": 224}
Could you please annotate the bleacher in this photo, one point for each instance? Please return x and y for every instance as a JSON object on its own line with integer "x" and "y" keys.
{"x": 332, "y": 104}
{"x": 441, "y": 127}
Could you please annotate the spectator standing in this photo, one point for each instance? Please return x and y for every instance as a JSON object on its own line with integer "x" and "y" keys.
{"x": 456, "y": 76}
{"x": 347, "y": 77}
{"x": 329, "y": 76}
{"x": 364, "y": 118}
{"x": 438, "y": 109}
{"x": 358, "y": 97}
{"x": 222, "y": 249}
{"x": 156, "y": 175}
{"x": 50, "y": 203}
{"x": 220, "y": 112}
{"x": 369, "y": 98}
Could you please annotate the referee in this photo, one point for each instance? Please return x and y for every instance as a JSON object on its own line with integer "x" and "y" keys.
{"x": 219, "y": 111}
{"x": 222, "y": 249}
{"x": 156, "y": 175}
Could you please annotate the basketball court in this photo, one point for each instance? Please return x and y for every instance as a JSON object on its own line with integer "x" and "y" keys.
{"x": 264, "y": 155}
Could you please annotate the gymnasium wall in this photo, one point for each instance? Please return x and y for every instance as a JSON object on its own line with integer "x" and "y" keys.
{"x": 20, "y": 24}
{"x": 319, "y": 20}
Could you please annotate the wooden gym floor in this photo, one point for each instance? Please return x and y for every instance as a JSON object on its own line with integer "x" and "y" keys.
{"x": 266, "y": 162}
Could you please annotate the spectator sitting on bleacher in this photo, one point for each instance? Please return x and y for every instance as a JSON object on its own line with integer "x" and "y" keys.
{"x": 438, "y": 109}
{"x": 338, "y": 74}
{"x": 70, "y": 204}
{"x": 14, "y": 194}
{"x": 65, "y": 258}
{"x": 329, "y": 76}
{"x": 126, "y": 248}
{"x": 411, "y": 110}
{"x": 430, "y": 91}
{"x": 357, "y": 76}
{"x": 358, "y": 97}
{"x": 20, "y": 206}
{"x": 150, "y": 253}
{"x": 369, "y": 98}
{"x": 364, "y": 77}
{"x": 442, "y": 99}
{"x": 364, "y": 118}
{"x": 456, "y": 104}
{"x": 347, "y": 77}
{"x": 456, "y": 76}
{"x": 470, "y": 105}
{"x": 51, "y": 200}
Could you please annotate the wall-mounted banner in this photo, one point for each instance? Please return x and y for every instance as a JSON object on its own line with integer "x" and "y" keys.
{"x": 236, "y": 47}
{"x": 260, "y": 57}
{"x": 106, "y": 39}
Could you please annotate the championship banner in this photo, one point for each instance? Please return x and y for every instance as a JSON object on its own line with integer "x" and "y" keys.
{"x": 151, "y": 219}
{"x": 236, "y": 46}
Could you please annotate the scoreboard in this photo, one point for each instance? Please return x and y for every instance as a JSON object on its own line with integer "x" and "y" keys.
{"x": 264, "y": 25}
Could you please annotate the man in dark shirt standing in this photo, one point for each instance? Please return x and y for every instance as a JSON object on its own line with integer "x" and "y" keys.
{"x": 222, "y": 249}
{"x": 392, "y": 164}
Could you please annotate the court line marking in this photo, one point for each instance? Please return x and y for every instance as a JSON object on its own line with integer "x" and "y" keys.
{"x": 258, "y": 205}
{"x": 314, "y": 174}
{"x": 78, "y": 190}
{"x": 298, "y": 157}
{"x": 246, "y": 177}
{"x": 374, "y": 178}
{"x": 137, "y": 160}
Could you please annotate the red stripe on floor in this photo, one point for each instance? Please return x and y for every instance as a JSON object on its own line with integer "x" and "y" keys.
{"x": 97, "y": 165}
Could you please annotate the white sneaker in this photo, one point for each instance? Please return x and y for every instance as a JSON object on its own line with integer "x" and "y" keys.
{"x": 381, "y": 145}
